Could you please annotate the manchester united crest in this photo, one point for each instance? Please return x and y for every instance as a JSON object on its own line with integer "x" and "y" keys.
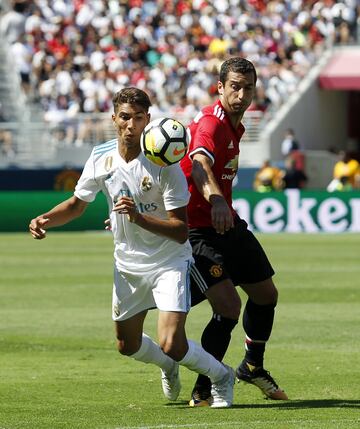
{"x": 216, "y": 270}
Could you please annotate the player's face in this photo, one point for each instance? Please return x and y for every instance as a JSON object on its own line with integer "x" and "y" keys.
{"x": 129, "y": 122}
{"x": 237, "y": 93}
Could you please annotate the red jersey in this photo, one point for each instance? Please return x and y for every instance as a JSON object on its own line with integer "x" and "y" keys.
{"x": 212, "y": 134}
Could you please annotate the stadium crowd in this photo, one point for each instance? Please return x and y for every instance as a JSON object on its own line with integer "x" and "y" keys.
{"x": 72, "y": 55}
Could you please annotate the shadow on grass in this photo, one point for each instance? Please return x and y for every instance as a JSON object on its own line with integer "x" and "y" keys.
{"x": 290, "y": 405}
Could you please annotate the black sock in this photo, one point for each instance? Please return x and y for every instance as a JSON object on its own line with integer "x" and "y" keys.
{"x": 215, "y": 340}
{"x": 257, "y": 322}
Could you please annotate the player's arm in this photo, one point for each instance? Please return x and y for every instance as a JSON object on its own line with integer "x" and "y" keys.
{"x": 207, "y": 185}
{"x": 59, "y": 215}
{"x": 175, "y": 227}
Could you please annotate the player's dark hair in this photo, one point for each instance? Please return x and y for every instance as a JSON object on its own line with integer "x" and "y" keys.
{"x": 236, "y": 65}
{"x": 131, "y": 96}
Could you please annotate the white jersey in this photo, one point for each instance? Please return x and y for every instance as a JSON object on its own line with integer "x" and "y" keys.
{"x": 154, "y": 190}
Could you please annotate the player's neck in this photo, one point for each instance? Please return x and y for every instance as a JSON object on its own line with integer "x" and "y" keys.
{"x": 128, "y": 153}
{"x": 236, "y": 119}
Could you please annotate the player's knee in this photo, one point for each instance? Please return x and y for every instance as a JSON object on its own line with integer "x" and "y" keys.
{"x": 263, "y": 293}
{"x": 174, "y": 349}
{"x": 272, "y": 295}
{"x": 230, "y": 312}
{"x": 224, "y": 299}
{"x": 275, "y": 296}
{"x": 127, "y": 349}
{"x": 229, "y": 308}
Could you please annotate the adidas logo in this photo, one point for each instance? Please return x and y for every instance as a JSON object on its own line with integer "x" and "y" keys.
{"x": 231, "y": 145}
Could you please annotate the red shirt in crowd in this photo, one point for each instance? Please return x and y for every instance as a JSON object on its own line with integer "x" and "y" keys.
{"x": 212, "y": 134}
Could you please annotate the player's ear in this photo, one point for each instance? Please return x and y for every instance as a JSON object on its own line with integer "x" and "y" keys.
{"x": 148, "y": 118}
{"x": 220, "y": 88}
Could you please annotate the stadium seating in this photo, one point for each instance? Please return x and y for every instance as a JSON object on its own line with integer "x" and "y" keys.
{"x": 72, "y": 56}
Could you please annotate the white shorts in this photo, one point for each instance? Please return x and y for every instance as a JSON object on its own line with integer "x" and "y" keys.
{"x": 167, "y": 289}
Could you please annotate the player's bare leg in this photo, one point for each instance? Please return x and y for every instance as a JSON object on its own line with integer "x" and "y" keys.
{"x": 171, "y": 331}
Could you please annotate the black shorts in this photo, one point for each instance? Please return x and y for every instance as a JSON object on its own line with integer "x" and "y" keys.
{"x": 235, "y": 255}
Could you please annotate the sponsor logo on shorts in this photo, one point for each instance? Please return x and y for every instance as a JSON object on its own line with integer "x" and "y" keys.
{"x": 216, "y": 270}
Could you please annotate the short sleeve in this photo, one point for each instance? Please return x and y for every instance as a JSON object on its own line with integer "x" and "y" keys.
{"x": 87, "y": 187}
{"x": 206, "y": 136}
{"x": 174, "y": 187}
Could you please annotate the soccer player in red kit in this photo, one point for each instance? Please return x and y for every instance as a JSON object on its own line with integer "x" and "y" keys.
{"x": 226, "y": 253}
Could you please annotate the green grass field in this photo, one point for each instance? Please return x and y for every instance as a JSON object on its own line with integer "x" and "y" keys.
{"x": 59, "y": 367}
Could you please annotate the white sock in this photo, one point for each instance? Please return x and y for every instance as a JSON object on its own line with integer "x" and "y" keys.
{"x": 202, "y": 362}
{"x": 150, "y": 352}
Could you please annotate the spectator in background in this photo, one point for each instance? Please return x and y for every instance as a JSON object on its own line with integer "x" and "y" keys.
{"x": 61, "y": 116}
{"x": 344, "y": 184}
{"x": 289, "y": 143}
{"x": 290, "y": 148}
{"x": 298, "y": 156}
{"x": 268, "y": 178}
{"x": 12, "y": 23}
{"x": 160, "y": 45}
{"x": 6, "y": 144}
{"x": 21, "y": 51}
{"x": 348, "y": 167}
{"x": 346, "y": 174}
{"x": 293, "y": 178}
{"x": 6, "y": 138}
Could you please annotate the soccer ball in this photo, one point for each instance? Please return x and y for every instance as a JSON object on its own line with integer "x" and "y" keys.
{"x": 164, "y": 141}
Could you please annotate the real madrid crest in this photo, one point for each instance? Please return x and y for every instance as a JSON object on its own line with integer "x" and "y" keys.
{"x": 108, "y": 163}
{"x": 146, "y": 184}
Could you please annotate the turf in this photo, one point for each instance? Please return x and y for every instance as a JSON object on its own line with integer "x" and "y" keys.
{"x": 59, "y": 367}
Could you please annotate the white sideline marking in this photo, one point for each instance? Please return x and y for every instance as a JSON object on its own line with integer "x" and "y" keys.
{"x": 231, "y": 424}
{"x": 189, "y": 425}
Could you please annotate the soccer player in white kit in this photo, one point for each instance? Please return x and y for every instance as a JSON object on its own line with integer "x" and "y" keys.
{"x": 147, "y": 206}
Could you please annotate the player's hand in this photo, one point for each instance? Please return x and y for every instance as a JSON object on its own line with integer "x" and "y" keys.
{"x": 126, "y": 205}
{"x": 36, "y": 227}
{"x": 221, "y": 215}
{"x": 107, "y": 223}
